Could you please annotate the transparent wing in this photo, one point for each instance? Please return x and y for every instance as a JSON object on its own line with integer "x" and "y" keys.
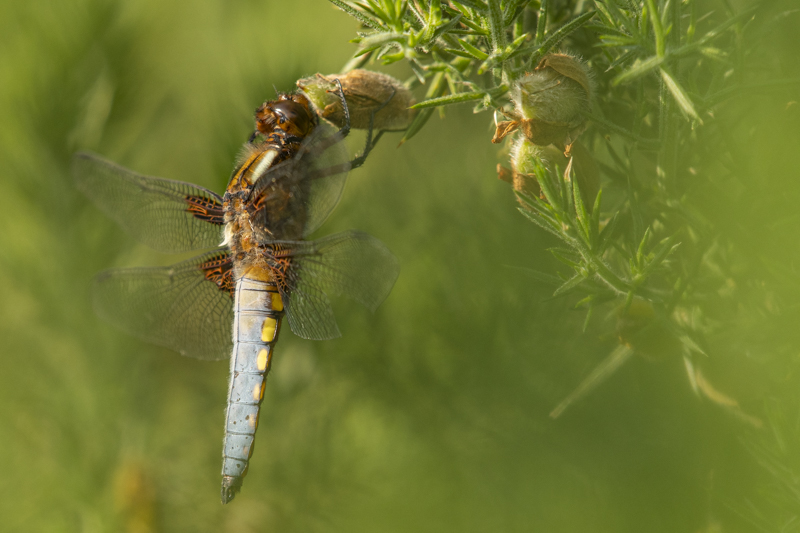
{"x": 329, "y": 164}
{"x": 313, "y": 178}
{"x": 187, "y": 307}
{"x": 352, "y": 264}
{"x": 169, "y": 216}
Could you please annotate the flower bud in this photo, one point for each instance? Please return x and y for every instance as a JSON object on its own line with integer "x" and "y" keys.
{"x": 522, "y": 175}
{"x": 549, "y": 102}
{"x": 556, "y": 91}
{"x": 525, "y": 155}
{"x": 524, "y": 158}
{"x": 366, "y": 92}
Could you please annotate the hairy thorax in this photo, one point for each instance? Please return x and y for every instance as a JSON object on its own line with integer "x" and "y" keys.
{"x": 242, "y": 238}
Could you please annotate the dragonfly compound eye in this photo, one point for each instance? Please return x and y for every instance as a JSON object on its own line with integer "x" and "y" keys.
{"x": 286, "y": 115}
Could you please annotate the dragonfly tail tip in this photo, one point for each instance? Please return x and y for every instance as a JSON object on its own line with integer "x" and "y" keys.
{"x": 230, "y": 486}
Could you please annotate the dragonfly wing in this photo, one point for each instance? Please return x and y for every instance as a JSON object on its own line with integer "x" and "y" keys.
{"x": 169, "y": 216}
{"x": 329, "y": 163}
{"x": 351, "y": 264}
{"x": 315, "y": 177}
{"x": 187, "y": 307}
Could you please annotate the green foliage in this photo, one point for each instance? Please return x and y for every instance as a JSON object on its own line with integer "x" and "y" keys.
{"x": 645, "y": 242}
{"x": 671, "y": 82}
{"x": 458, "y": 40}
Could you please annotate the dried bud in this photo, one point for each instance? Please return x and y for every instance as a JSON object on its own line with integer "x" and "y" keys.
{"x": 549, "y": 102}
{"x": 366, "y": 92}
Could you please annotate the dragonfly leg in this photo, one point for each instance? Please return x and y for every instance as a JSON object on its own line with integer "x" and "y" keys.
{"x": 344, "y": 131}
{"x": 370, "y": 144}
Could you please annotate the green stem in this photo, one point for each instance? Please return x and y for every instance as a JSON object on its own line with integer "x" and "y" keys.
{"x": 541, "y": 23}
{"x": 498, "y": 34}
{"x": 496, "y": 28}
{"x": 658, "y": 29}
{"x": 604, "y": 272}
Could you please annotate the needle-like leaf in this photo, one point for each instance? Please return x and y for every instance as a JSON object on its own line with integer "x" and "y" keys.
{"x": 597, "y": 376}
{"x": 680, "y": 95}
{"x": 570, "y": 284}
{"x": 448, "y": 100}
{"x": 639, "y": 68}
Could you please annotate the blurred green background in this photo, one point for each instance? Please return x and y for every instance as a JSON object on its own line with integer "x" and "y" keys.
{"x": 432, "y": 414}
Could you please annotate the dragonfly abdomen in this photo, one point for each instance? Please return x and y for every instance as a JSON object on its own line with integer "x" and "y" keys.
{"x": 258, "y": 310}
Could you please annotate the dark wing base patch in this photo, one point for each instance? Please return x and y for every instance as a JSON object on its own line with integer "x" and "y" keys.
{"x": 351, "y": 264}
{"x": 204, "y": 208}
{"x": 177, "y": 306}
{"x": 219, "y": 269}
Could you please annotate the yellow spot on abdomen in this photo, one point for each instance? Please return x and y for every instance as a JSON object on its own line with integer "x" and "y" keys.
{"x": 262, "y": 360}
{"x": 258, "y": 391}
{"x": 269, "y": 329}
{"x": 277, "y": 301}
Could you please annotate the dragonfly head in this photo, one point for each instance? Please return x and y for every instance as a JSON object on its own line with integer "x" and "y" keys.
{"x": 290, "y": 114}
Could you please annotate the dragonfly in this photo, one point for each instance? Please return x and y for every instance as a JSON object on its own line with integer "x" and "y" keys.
{"x": 258, "y": 266}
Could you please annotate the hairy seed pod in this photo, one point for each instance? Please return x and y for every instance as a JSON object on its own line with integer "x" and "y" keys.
{"x": 366, "y": 92}
{"x": 549, "y": 102}
{"x": 525, "y": 155}
{"x": 524, "y": 158}
{"x": 522, "y": 175}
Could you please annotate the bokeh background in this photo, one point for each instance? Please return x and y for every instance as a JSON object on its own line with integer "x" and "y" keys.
{"x": 431, "y": 414}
